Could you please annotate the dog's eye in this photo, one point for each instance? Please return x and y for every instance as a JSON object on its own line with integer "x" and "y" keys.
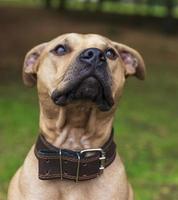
{"x": 111, "y": 54}
{"x": 60, "y": 50}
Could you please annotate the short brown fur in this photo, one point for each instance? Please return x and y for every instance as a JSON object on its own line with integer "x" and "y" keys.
{"x": 79, "y": 125}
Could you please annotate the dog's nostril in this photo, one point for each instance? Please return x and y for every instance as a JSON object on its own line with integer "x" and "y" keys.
{"x": 90, "y": 54}
{"x": 87, "y": 55}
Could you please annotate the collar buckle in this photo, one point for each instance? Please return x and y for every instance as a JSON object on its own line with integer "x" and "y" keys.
{"x": 102, "y": 159}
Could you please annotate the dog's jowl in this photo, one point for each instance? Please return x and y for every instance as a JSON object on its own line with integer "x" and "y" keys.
{"x": 79, "y": 79}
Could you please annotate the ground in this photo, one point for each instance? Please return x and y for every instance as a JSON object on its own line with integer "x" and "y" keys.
{"x": 146, "y": 122}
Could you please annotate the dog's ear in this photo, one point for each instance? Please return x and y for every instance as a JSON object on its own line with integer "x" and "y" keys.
{"x": 31, "y": 63}
{"x": 133, "y": 61}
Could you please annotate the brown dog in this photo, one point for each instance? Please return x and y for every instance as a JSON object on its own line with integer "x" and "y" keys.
{"x": 79, "y": 80}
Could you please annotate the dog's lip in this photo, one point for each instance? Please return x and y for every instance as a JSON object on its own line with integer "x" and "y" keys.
{"x": 63, "y": 97}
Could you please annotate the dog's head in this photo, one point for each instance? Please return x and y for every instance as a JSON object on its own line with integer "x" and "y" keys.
{"x": 75, "y": 67}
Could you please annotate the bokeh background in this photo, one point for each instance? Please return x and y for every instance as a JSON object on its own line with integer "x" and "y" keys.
{"x": 146, "y": 124}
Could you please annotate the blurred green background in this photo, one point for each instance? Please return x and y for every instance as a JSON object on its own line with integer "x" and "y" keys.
{"x": 146, "y": 125}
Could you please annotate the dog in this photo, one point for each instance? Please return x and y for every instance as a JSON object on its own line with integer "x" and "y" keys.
{"x": 79, "y": 78}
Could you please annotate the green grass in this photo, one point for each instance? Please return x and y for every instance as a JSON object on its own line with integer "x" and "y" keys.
{"x": 18, "y": 126}
{"x": 145, "y": 131}
{"x": 148, "y": 127}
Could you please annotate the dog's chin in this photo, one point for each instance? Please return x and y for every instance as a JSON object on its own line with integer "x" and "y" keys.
{"x": 89, "y": 89}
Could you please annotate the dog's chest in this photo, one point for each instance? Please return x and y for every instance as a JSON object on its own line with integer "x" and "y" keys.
{"x": 87, "y": 190}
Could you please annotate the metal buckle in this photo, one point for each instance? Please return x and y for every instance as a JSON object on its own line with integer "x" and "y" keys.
{"x": 60, "y": 162}
{"x": 78, "y": 167}
{"x": 102, "y": 159}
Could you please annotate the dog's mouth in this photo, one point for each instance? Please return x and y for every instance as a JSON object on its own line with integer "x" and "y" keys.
{"x": 91, "y": 88}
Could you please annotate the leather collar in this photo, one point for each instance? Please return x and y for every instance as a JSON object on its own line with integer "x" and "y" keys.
{"x": 73, "y": 165}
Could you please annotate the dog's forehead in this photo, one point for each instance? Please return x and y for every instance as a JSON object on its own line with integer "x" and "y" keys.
{"x": 96, "y": 39}
{"x": 75, "y": 39}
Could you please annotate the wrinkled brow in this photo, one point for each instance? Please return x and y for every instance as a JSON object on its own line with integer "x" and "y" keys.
{"x": 92, "y": 42}
{"x": 66, "y": 41}
{"x": 70, "y": 42}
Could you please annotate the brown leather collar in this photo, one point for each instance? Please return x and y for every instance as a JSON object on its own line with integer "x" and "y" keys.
{"x": 73, "y": 165}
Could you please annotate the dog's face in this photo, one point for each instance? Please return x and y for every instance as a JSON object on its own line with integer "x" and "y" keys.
{"x": 82, "y": 68}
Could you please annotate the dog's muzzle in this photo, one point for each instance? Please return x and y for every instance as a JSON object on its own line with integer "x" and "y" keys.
{"x": 88, "y": 80}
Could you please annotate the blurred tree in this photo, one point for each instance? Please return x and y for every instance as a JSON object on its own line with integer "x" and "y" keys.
{"x": 170, "y": 7}
{"x": 47, "y": 4}
{"x": 99, "y": 5}
{"x": 86, "y": 3}
{"x": 150, "y": 4}
{"x": 137, "y": 2}
{"x": 62, "y": 4}
{"x": 169, "y": 21}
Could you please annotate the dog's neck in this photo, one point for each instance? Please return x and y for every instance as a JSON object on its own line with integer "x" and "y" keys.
{"x": 75, "y": 127}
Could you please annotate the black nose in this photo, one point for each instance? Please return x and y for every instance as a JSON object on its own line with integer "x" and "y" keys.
{"x": 92, "y": 56}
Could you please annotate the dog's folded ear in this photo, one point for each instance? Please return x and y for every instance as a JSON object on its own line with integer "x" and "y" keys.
{"x": 133, "y": 61}
{"x": 31, "y": 63}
